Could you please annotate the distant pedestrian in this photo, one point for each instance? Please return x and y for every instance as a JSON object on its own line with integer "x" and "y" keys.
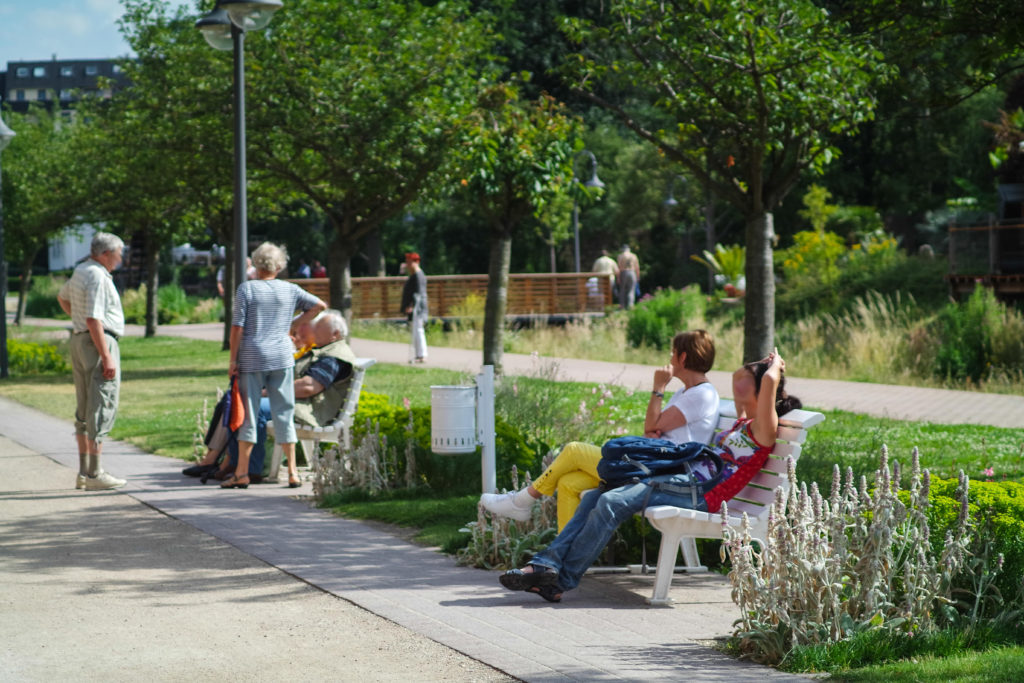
{"x": 629, "y": 277}
{"x": 97, "y": 320}
{"x": 303, "y": 270}
{"x": 606, "y": 266}
{"x": 318, "y": 270}
{"x": 414, "y": 304}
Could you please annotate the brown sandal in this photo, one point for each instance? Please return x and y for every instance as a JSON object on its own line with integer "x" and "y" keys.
{"x": 233, "y": 482}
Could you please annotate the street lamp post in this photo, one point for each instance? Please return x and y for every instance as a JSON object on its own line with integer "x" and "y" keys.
{"x": 224, "y": 29}
{"x": 6, "y": 135}
{"x": 593, "y": 182}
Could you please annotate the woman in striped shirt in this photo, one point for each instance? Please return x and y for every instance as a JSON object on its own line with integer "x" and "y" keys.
{"x": 261, "y": 352}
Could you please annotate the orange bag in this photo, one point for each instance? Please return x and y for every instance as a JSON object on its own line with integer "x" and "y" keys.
{"x": 237, "y": 407}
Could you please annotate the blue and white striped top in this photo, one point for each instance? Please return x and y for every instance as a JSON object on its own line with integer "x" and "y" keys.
{"x": 264, "y": 310}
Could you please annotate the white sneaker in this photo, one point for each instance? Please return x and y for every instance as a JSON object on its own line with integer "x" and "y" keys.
{"x": 80, "y": 481}
{"x": 503, "y": 505}
{"x": 103, "y": 481}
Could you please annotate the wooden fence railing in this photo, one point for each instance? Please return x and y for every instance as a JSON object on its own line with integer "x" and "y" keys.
{"x": 528, "y": 294}
{"x": 991, "y": 254}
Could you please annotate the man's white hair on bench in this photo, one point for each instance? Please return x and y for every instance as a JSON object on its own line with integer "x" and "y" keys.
{"x": 335, "y": 320}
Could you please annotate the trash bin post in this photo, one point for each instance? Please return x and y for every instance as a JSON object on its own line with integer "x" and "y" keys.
{"x": 485, "y": 428}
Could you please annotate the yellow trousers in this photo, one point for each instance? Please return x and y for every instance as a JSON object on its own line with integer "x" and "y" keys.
{"x": 572, "y": 472}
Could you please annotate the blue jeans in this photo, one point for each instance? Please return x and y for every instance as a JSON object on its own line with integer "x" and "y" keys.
{"x": 281, "y": 391}
{"x": 259, "y": 450}
{"x": 596, "y": 519}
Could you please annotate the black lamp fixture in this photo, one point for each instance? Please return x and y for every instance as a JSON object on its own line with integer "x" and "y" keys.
{"x": 224, "y": 29}
{"x": 593, "y": 182}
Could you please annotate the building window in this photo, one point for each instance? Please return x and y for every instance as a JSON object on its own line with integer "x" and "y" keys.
{"x": 39, "y": 71}
{"x": 40, "y": 94}
{"x": 117, "y": 68}
{"x": 92, "y": 70}
{"x": 65, "y": 94}
{"x": 21, "y": 72}
{"x": 67, "y": 71}
{"x": 19, "y": 95}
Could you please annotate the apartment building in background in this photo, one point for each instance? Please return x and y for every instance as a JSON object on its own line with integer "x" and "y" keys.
{"x": 58, "y": 83}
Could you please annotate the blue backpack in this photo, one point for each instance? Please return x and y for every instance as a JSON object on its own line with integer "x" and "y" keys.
{"x": 632, "y": 459}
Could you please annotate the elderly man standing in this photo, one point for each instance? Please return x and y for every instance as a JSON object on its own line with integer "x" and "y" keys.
{"x": 92, "y": 301}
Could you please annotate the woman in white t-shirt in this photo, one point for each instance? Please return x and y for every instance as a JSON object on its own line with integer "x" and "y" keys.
{"x": 690, "y": 415}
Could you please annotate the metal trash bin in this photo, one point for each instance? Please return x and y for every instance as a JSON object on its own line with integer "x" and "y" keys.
{"x": 453, "y": 420}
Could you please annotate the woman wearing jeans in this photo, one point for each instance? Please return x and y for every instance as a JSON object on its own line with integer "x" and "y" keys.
{"x": 760, "y": 396}
{"x": 261, "y": 352}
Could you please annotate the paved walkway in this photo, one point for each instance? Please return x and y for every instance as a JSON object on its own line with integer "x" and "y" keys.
{"x": 116, "y": 586}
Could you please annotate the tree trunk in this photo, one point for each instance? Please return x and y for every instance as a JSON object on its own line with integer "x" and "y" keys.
{"x": 375, "y": 255}
{"x": 26, "y": 282}
{"x": 152, "y": 284}
{"x": 230, "y": 285}
{"x": 340, "y": 287}
{"x": 497, "y": 298}
{"x": 759, "y": 314}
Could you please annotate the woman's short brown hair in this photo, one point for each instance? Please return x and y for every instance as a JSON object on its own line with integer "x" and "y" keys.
{"x": 699, "y": 347}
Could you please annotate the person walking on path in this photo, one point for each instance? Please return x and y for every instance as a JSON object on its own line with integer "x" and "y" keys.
{"x": 414, "y": 304}
{"x": 629, "y": 277}
{"x": 97, "y": 320}
{"x": 261, "y": 353}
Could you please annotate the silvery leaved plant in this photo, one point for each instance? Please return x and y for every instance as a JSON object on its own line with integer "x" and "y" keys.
{"x": 860, "y": 559}
{"x": 502, "y": 543}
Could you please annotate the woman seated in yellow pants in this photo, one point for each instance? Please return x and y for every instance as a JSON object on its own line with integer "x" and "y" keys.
{"x": 690, "y": 415}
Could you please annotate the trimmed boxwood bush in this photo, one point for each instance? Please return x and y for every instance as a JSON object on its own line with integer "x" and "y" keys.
{"x": 997, "y": 511}
{"x": 33, "y": 358}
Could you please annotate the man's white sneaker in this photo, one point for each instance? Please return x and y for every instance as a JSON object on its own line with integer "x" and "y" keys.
{"x": 503, "y": 505}
{"x": 103, "y": 482}
{"x": 80, "y": 481}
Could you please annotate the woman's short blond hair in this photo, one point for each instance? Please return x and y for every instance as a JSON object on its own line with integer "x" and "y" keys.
{"x": 270, "y": 258}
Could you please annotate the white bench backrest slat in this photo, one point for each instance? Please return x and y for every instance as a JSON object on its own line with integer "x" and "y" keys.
{"x": 757, "y": 496}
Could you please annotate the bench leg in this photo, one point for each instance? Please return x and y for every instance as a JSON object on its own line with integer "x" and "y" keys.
{"x": 688, "y": 544}
{"x": 666, "y": 565}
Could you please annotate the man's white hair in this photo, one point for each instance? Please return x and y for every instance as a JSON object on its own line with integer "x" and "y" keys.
{"x": 102, "y": 242}
{"x": 335, "y": 321}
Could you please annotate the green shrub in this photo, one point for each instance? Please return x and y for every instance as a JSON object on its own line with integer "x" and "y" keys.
{"x": 965, "y": 336}
{"x": 454, "y": 474}
{"x": 997, "y": 510}
{"x": 33, "y": 358}
{"x": 655, "y": 320}
{"x": 42, "y": 297}
{"x": 173, "y": 306}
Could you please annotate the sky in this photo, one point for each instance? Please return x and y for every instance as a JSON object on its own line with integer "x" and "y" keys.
{"x": 32, "y": 30}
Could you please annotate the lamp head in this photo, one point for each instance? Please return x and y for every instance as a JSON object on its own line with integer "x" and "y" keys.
{"x": 216, "y": 28}
{"x": 250, "y": 15}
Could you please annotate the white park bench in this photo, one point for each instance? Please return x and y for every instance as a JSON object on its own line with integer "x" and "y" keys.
{"x": 681, "y": 527}
{"x": 337, "y": 431}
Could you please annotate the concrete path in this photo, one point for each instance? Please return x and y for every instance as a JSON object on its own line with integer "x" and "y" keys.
{"x": 172, "y": 580}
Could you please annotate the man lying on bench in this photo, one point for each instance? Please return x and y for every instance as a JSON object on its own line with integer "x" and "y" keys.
{"x": 323, "y": 368}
